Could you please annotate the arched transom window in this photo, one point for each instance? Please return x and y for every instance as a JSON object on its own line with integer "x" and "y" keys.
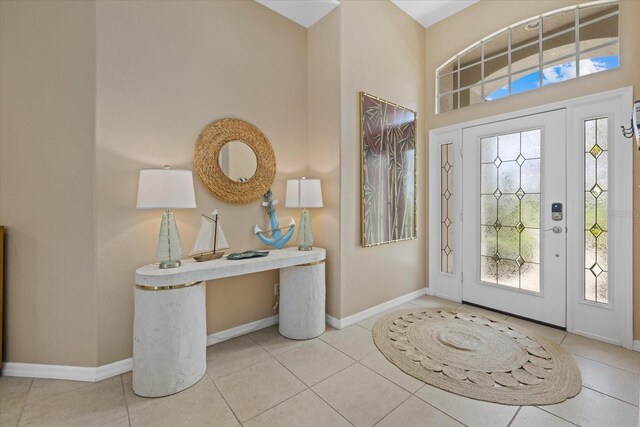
{"x": 543, "y": 50}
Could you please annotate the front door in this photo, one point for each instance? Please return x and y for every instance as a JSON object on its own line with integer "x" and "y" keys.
{"x": 514, "y": 216}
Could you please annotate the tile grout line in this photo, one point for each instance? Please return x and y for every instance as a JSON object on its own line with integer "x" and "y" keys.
{"x": 126, "y": 403}
{"x": 24, "y": 405}
{"x": 432, "y": 405}
{"x": 324, "y": 400}
{"x": 277, "y": 404}
{"x": 601, "y": 362}
{"x": 393, "y": 409}
{"x": 557, "y": 416}
{"x": 330, "y": 406}
{"x": 349, "y": 356}
{"x": 223, "y": 398}
{"x": 307, "y": 386}
{"x": 566, "y": 334}
{"x": 514, "y": 416}
{"x": 608, "y": 395}
{"x": 248, "y": 366}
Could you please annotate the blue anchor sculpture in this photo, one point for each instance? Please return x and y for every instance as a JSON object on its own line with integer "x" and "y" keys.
{"x": 277, "y": 238}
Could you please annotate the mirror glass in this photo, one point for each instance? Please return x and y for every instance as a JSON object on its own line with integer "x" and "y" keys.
{"x": 238, "y": 161}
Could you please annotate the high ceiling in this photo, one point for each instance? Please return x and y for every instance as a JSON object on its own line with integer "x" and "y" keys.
{"x": 308, "y": 12}
{"x": 429, "y": 12}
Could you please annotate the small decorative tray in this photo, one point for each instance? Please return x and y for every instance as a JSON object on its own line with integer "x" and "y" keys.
{"x": 247, "y": 254}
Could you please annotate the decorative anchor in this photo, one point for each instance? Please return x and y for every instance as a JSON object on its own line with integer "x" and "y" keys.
{"x": 277, "y": 238}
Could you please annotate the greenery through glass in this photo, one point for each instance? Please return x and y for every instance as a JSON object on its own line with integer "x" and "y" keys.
{"x": 596, "y": 194}
{"x": 510, "y": 210}
{"x": 446, "y": 203}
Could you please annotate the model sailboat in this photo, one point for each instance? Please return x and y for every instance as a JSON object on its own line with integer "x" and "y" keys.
{"x": 210, "y": 240}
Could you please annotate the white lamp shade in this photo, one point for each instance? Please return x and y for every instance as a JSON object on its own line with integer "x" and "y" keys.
{"x": 304, "y": 193}
{"x": 165, "y": 189}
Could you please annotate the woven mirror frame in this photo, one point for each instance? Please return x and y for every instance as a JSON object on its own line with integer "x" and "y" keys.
{"x": 205, "y": 157}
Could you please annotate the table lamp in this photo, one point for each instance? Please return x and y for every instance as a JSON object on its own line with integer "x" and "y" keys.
{"x": 304, "y": 193}
{"x": 167, "y": 189}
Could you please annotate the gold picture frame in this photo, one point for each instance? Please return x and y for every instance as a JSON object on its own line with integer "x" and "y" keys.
{"x": 388, "y": 176}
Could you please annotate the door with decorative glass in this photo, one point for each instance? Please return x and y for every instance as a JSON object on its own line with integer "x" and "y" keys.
{"x": 514, "y": 246}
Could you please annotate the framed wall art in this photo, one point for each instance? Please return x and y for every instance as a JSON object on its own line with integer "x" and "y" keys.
{"x": 388, "y": 171}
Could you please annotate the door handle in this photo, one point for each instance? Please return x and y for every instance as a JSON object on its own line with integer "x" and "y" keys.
{"x": 557, "y": 229}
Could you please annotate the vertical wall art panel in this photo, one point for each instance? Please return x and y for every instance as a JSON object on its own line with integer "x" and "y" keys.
{"x": 446, "y": 208}
{"x": 388, "y": 171}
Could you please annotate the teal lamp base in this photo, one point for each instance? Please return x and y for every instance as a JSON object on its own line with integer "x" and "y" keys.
{"x": 305, "y": 235}
{"x": 169, "y": 250}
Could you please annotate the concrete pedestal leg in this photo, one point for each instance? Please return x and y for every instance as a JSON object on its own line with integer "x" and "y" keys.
{"x": 169, "y": 339}
{"x": 302, "y": 301}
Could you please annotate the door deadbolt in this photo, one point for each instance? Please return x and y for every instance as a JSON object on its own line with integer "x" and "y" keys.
{"x": 556, "y": 212}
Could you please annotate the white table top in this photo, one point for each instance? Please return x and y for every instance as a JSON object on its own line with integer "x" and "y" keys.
{"x": 191, "y": 271}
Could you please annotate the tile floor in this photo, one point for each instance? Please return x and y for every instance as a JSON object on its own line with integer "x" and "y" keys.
{"x": 338, "y": 379}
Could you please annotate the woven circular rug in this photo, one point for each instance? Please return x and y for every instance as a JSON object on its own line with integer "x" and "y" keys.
{"x": 477, "y": 356}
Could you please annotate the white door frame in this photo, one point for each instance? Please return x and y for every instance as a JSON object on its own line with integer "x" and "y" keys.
{"x": 617, "y": 105}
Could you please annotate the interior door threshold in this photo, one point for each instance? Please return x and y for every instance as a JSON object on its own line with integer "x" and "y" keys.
{"x": 561, "y": 328}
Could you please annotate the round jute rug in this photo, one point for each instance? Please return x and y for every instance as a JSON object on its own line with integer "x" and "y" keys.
{"x": 477, "y": 356}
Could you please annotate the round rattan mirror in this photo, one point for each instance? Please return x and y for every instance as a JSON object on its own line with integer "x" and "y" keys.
{"x": 206, "y": 158}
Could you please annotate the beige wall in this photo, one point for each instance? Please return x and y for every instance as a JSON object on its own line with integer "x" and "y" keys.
{"x": 84, "y": 107}
{"x": 487, "y": 16}
{"x": 168, "y": 70}
{"x": 47, "y": 81}
{"x": 383, "y": 54}
{"x": 324, "y": 80}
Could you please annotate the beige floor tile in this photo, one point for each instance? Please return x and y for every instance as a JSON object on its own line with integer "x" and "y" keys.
{"x": 615, "y": 382}
{"x": 93, "y": 405}
{"x": 433, "y": 302}
{"x": 303, "y": 410}
{"x": 381, "y": 365}
{"x": 360, "y": 395}
{"x": 590, "y": 408}
{"x": 258, "y": 388}
{"x": 602, "y": 352}
{"x": 369, "y": 322}
{"x": 481, "y": 311}
{"x": 552, "y": 334}
{"x": 468, "y": 411}
{"x": 45, "y": 389}
{"x": 135, "y": 402}
{"x": 416, "y": 413}
{"x": 10, "y": 418}
{"x": 530, "y": 416}
{"x": 13, "y": 393}
{"x": 201, "y": 405}
{"x": 314, "y": 361}
{"x": 271, "y": 340}
{"x": 354, "y": 341}
{"x": 120, "y": 422}
{"x": 231, "y": 356}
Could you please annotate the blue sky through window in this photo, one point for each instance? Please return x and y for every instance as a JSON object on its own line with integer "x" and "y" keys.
{"x": 555, "y": 74}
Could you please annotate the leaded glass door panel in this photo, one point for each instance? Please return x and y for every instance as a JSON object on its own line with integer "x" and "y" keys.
{"x": 515, "y": 253}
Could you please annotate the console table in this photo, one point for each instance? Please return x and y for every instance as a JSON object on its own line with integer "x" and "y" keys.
{"x": 170, "y": 328}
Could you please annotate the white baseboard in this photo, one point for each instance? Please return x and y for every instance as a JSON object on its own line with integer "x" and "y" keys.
{"x": 380, "y": 308}
{"x": 99, "y": 373}
{"x": 636, "y": 345}
{"x": 82, "y": 373}
{"x": 62, "y": 372}
{"x": 227, "y": 334}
